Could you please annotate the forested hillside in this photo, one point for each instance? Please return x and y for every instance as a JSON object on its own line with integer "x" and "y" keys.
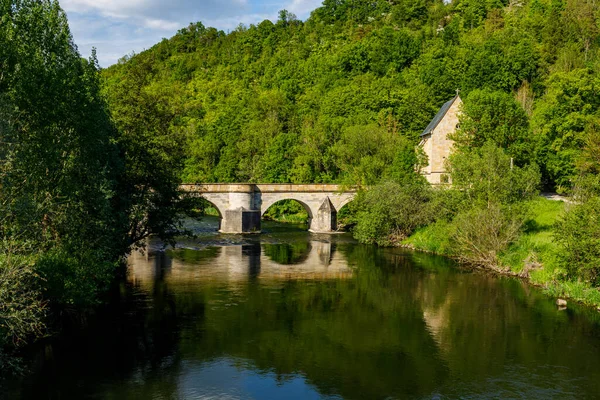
{"x": 343, "y": 96}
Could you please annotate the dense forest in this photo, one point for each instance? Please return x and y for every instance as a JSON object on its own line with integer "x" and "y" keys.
{"x": 343, "y": 96}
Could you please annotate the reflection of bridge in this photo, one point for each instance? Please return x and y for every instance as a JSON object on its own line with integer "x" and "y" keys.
{"x": 239, "y": 263}
{"x": 241, "y": 206}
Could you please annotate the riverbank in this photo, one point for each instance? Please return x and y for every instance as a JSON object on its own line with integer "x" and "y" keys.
{"x": 534, "y": 256}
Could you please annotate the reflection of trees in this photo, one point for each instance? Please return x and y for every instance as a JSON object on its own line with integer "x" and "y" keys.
{"x": 133, "y": 339}
{"x": 404, "y": 325}
{"x": 485, "y": 325}
{"x": 288, "y": 253}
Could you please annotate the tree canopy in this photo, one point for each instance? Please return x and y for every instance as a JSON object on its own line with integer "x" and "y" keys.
{"x": 278, "y": 102}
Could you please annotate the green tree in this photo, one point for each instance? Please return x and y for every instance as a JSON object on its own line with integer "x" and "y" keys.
{"x": 571, "y": 102}
{"x": 387, "y": 213}
{"x": 368, "y": 154}
{"x": 488, "y": 176}
{"x": 153, "y": 153}
{"x": 492, "y": 116}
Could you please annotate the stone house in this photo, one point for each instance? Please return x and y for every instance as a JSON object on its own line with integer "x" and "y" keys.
{"x": 435, "y": 142}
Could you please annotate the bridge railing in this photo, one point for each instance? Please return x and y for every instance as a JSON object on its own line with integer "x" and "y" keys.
{"x": 264, "y": 187}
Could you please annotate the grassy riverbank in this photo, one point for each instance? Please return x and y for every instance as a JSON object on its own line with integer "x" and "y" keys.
{"x": 535, "y": 255}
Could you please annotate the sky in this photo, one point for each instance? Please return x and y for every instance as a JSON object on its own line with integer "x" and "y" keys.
{"x": 119, "y": 27}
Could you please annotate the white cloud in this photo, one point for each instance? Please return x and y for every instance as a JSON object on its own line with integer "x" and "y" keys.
{"x": 174, "y": 10}
{"x": 303, "y": 8}
{"x": 161, "y": 24}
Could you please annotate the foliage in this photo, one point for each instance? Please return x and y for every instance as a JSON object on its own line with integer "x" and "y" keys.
{"x": 22, "y": 308}
{"x": 481, "y": 233}
{"x": 368, "y": 154}
{"x": 578, "y": 231}
{"x": 287, "y": 211}
{"x": 21, "y": 305}
{"x": 58, "y": 165}
{"x": 488, "y": 176}
{"x": 495, "y": 117}
{"x": 75, "y": 280}
{"x": 579, "y": 234}
{"x": 315, "y": 101}
{"x": 153, "y": 155}
{"x": 484, "y": 210}
{"x": 389, "y": 212}
{"x": 75, "y": 193}
{"x": 570, "y": 106}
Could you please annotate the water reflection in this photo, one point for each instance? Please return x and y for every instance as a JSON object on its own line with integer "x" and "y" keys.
{"x": 307, "y": 317}
{"x": 238, "y": 263}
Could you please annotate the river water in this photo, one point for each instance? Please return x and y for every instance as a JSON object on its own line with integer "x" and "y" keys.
{"x": 291, "y": 315}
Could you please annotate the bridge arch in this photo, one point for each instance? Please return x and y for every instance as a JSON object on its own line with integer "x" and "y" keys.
{"x": 271, "y": 202}
{"x": 213, "y": 205}
{"x": 216, "y": 201}
{"x": 344, "y": 203}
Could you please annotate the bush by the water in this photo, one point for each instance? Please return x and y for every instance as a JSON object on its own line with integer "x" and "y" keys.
{"x": 388, "y": 213}
{"x": 579, "y": 234}
{"x": 482, "y": 211}
{"x": 481, "y": 233}
{"x": 21, "y": 305}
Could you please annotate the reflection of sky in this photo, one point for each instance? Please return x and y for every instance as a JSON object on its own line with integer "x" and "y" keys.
{"x": 230, "y": 379}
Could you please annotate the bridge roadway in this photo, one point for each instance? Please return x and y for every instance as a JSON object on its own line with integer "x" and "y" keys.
{"x": 241, "y": 205}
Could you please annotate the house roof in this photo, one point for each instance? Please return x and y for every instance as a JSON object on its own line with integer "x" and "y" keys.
{"x": 439, "y": 116}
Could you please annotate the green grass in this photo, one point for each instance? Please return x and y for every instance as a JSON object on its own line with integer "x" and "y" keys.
{"x": 536, "y": 244}
{"x": 211, "y": 211}
{"x": 578, "y": 291}
{"x": 433, "y": 238}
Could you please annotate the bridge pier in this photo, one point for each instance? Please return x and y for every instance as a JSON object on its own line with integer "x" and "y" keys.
{"x": 240, "y": 221}
{"x": 324, "y": 218}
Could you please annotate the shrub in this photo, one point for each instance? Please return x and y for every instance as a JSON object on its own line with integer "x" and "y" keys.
{"x": 579, "y": 234}
{"x": 487, "y": 175}
{"x": 75, "y": 279}
{"x": 21, "y": 307}
{"x": 389, "y": 212}
{"x": 480, "y": 234}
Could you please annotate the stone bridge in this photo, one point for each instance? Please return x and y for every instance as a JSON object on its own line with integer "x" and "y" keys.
{"x": 241, "y": 206}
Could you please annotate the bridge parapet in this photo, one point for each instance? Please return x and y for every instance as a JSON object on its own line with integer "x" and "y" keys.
{"x": 264, "y": 188}
{"x": 241, "y": 205}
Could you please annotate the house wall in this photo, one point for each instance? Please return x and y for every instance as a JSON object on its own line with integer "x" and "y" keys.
{"x": 438, "y": 147}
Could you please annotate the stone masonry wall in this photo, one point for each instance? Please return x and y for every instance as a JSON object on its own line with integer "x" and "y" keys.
{"x": 438, "y": 147}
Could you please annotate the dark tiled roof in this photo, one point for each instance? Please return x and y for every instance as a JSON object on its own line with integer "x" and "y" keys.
{"x": 439, "y": 116}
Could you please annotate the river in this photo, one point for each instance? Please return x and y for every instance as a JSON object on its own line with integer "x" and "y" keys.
{"x": 291, "y": 315}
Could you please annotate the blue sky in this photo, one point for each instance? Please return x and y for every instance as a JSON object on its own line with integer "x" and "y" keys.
{"x": 118, "y": 27}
